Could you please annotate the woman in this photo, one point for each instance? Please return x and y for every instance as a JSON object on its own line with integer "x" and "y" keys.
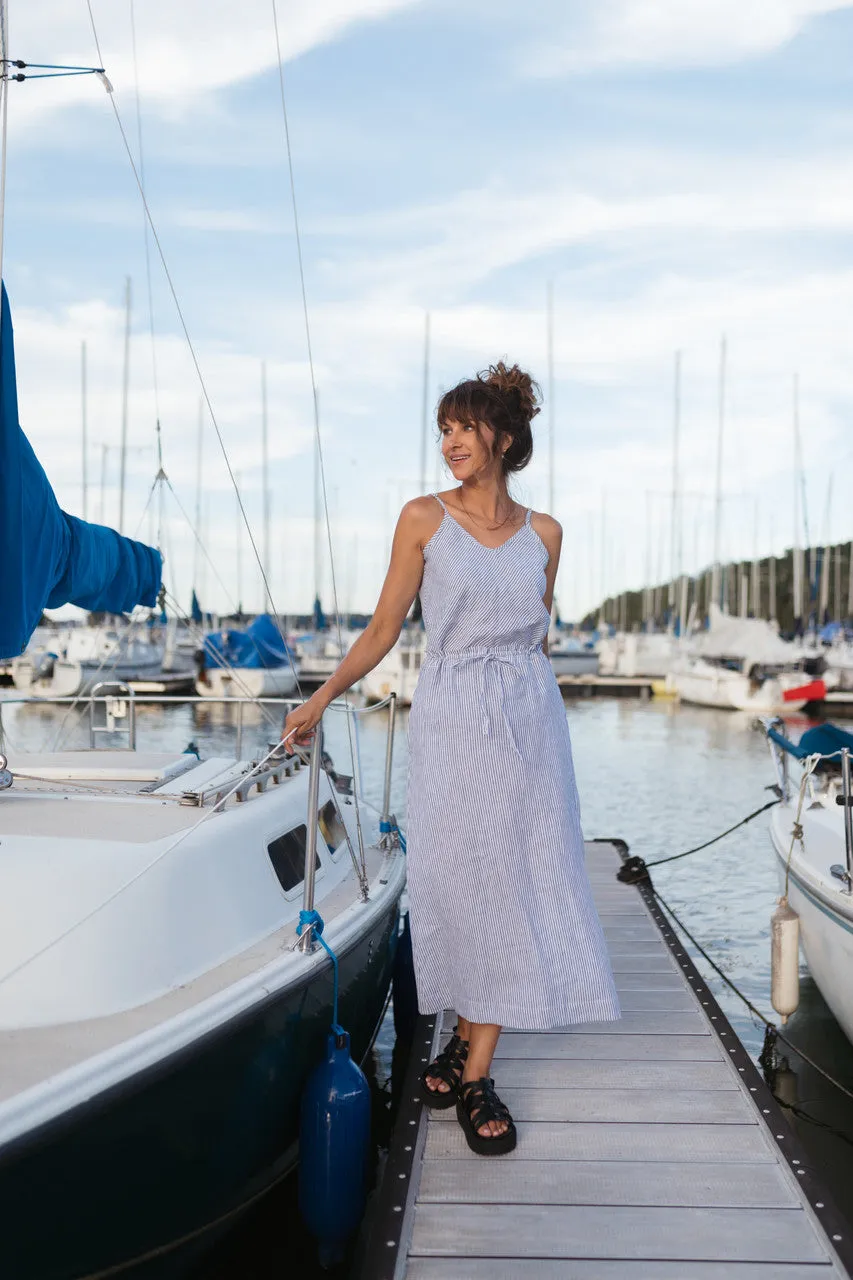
{"x": 504, "y": 929}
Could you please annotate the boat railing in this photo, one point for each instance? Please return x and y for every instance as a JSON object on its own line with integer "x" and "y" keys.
{"x": 774, "y": 731}
{"x": 120, "y": 703}
{"x": 117, "y": 699}
{"x": 306, "y": 939}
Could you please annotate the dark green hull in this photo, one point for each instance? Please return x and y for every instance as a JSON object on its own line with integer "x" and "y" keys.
{"x": 176, "y": 1152}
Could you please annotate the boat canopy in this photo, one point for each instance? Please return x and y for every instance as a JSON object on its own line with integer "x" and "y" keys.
{"x": 47, "y": 557}
{"x": 751, "y": 640}
{"x": 260, "y": 645}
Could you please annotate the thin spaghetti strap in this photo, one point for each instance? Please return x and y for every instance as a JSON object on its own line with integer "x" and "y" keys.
{"x": 435, "y": 495}
{"x": 529, "y": 514}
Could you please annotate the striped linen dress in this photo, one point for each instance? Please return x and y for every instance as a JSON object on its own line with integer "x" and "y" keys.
{"x": 504, "y": 928}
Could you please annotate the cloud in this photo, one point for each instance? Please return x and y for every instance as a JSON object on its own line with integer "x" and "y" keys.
{"x": 673, "y": 33}
{"x": 184, "y": 50}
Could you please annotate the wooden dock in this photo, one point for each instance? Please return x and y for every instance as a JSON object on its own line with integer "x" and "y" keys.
{"x": 606, "y": 686}
{"x": 648, "y": 1149}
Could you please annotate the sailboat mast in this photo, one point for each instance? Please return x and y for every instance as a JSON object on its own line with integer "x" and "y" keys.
{"x": 125, "y": 394}
{"x": 238, "y": 542}
{"x": 797, "y": 564}
{"x": 102, "y": 514}
{"x": 551, "y": 418}
{"x": 85, "y": 446}
{"x": 718, "y": 488}
{"x": 755, "y": 576}
{"x": 317, "y": 506}
{"x": 425, "y": 408}
{"x": 826, "y": 559}
{"x": 674, "y": 548}
{"x": 197, "y": 547}
{"x": 265, "y": 468}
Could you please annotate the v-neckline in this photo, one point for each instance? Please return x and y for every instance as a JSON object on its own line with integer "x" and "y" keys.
{"x": 485, "y": 545}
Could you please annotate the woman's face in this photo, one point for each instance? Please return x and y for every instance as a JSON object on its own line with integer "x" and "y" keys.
{"x": 467, "y": 451}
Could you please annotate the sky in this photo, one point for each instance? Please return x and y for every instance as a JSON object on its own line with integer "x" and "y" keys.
{"x": 677, "y": 173}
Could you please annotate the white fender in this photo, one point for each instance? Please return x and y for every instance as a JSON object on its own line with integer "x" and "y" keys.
{"x": 784, "y": 960}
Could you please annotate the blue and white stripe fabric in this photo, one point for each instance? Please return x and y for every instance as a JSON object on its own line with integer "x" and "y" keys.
{"x": 504, "y": 927}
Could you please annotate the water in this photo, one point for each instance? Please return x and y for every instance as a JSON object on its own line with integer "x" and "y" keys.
{"x": 660, "y": 776}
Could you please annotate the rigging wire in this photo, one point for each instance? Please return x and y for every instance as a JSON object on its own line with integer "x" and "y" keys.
{"x": 311, "y": 369}
{"x": 188, "y": 339}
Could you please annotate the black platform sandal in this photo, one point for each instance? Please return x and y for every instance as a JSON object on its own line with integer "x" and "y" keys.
{"x": 478, "y": 1104}
{"x": 447, "y": 1066}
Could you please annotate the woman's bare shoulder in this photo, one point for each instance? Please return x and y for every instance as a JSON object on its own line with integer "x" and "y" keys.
{"x": 549, "y": 529}
{"x": 420, "y": 518}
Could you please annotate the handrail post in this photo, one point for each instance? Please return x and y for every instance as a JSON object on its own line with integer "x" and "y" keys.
{"x": 389, "y": 757}
{"x": 848, "y": 814}
{"x": 238, "y": 747}
{"x": 306, "y": 940}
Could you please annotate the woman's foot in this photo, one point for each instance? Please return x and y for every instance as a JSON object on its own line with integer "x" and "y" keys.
{"x": 486, "y": 1122}
{"x": 439, "y": 1084}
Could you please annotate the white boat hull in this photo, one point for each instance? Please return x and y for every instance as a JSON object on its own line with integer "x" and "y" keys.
{"x": 705, "y": 685}
{"x": 68, "y": 679}
{"x": 582, "y": 663}
{"x": 247, "y": 682}
{"x": 824, "y": 907}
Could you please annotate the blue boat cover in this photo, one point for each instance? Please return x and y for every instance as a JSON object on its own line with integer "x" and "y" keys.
{"x": 821, "y": 740}
{"x": 49, "y": 558}
{"x": 260, "y": 645}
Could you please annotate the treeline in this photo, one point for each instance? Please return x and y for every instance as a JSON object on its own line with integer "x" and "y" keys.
{"x": 769, "y": 592}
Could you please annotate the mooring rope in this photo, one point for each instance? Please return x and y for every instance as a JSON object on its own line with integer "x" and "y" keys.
{"x": 768, "y": 1022}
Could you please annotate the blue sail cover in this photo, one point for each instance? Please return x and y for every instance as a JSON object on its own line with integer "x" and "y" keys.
{"x": 48, "y": 558}
{"x": 260, "y": 645}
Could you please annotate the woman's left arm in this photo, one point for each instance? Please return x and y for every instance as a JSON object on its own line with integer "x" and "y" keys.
{"x": 551, "y": 533}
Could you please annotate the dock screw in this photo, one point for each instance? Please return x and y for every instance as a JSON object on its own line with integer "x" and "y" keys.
{"x": 819, "y": 1204}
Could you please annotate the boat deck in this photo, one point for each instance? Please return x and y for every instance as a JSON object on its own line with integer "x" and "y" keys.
{"x": 648, "y": 1149}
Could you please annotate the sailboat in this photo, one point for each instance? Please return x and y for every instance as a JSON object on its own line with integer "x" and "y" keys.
{"x": 79, "y": 657}
{"x": 254, "y": 663}
{"x": 159, "y": 1014}
{"x": 813, "y": 844}
{"x": 742, "y": 664}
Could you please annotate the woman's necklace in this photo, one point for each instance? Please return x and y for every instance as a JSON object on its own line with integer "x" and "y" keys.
{"x": 488, "y": 527}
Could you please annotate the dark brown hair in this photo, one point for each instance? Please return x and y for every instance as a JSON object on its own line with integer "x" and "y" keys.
{"x": 505, "y": 400}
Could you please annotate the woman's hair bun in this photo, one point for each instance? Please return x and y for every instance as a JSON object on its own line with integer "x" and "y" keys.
{"x": 516, "y": 385}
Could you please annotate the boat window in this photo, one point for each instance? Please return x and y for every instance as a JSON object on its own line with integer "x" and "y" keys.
{"x": 333, "y": 829}
{"x": 404, "y": 660}
{"x": 287, "y": 855}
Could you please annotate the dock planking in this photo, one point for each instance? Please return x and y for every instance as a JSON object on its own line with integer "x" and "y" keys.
{"x": 647, "y": 1149}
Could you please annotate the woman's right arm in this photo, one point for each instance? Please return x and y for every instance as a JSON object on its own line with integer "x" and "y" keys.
{"x": 417, "y": 523}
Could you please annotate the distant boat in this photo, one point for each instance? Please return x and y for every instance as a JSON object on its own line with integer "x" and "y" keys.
{"x": 742, "y": 664}
{"x": 82, "y": 656}
{"x": 252, "y": 663}
{"x": 570, "y": 656}
{"x": 634, "y": 654}
{"x": 398, "y": 671}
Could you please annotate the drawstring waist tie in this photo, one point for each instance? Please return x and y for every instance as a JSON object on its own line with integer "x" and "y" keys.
{"x": 495, "y": 660}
